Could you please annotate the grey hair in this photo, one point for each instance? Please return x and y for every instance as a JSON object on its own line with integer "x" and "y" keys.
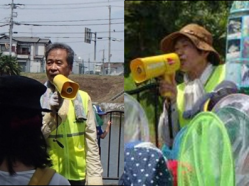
{"x": 70, "y": 52}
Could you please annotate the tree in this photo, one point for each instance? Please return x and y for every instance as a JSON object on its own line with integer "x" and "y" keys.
{"x": 9, "y": 65}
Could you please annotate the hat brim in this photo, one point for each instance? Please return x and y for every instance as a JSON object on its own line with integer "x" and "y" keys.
{"x": 168, "y": 42}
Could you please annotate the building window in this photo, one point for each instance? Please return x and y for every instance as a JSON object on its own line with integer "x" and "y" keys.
{"x": 23, "y": 50}
{"x": 3, "y": 48}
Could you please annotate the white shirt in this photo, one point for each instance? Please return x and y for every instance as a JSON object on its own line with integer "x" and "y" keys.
{"x": 23, "y": 178}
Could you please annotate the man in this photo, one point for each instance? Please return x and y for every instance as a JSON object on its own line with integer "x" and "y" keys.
{"x": 73, "y": 148}
{"x": 202, "y": 69}
{"x": 23, "y": 147}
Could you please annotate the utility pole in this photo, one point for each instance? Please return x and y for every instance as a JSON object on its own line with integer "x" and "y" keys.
{"x": 95, "y": 40}
{"x": 12, "y": 6}
{"x": 109, "y": 50}
{"x": 89, "y": 67}
{"x": 11, "y": 26}
{"x": 83, "y": 66}
{"x": 103, "y": 59}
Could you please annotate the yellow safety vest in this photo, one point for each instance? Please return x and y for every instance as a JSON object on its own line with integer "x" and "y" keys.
{"x": 70, "y": 161}
{"x": 217, "y": 76}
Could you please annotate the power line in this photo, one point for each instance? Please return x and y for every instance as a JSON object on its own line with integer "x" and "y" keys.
{"x": 102, "y": 38}
{"x": 65, "y": 23}
{"x": 80, "y": 41}
{"x": 69, "y": 6}
{"x": 63, "y": 8}
{"x": 70, "y": 32}
{"x": 4, "y": 25}
{"x": 26, "y": 24}
{"x": 71, "y": 20}
{"x": 117, "y": 1}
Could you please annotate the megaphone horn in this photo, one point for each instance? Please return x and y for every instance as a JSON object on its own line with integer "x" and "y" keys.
{"x": 66, "y": 87}
{"x": 69, "y": 90}
{"x": 164, "y": 65}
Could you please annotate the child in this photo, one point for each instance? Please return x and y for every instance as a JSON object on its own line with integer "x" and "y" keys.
{"x": 99, "y": 122}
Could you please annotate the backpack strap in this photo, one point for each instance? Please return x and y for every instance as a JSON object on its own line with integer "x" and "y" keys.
{"x": 42, "y": 176}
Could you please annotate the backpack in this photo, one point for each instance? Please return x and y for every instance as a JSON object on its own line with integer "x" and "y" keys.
{"x": 42, "y": 176}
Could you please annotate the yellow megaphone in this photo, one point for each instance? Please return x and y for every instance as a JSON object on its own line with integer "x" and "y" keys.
{"x": 146, "y": 68}
{"x": 66, "y": 87}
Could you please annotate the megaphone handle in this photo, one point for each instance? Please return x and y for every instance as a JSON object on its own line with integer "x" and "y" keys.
{"x": 169, "y": 78}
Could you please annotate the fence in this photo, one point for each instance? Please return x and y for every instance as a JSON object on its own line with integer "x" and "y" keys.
{"x": 112, "y": 147}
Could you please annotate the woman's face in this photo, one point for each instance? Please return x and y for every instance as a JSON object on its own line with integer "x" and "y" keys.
{"x": 190, "y": 56}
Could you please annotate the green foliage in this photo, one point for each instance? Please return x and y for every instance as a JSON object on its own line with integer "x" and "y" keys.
{"x": 129, "y": 84}
{"x": 9, "y": 65}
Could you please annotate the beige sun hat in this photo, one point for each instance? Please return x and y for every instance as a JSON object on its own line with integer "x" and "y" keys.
{"x": 200, "y": 37}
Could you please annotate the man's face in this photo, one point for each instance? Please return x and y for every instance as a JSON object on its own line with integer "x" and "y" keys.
{"x": 57, "y": 64}
{"x": 190, "y": 57}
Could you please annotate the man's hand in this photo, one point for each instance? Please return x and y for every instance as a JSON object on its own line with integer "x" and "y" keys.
{"x": 55, "y": 100}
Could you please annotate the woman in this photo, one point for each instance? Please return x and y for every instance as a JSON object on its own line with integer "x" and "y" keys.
{"x": 202, "y": 69}
{"x": 23, "y": 147}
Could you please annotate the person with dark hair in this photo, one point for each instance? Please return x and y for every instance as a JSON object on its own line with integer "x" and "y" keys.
{"x": 23, "y": 146}
{"x": 70, "y": 129}
{"x": 202, "y": 71}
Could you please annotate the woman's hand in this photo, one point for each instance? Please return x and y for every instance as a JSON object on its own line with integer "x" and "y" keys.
{"x": 167, "y": 89}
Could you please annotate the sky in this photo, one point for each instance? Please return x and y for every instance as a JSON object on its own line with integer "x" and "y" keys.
{"x": 66, "y": 20}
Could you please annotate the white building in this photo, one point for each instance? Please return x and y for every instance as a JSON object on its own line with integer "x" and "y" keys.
{"x": 30, "y": 51}
{"x": 116, "y": 69}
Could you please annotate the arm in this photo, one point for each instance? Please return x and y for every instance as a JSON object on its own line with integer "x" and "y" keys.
{"x": 106, "y": 130}
{"x": 94, "y": 168}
